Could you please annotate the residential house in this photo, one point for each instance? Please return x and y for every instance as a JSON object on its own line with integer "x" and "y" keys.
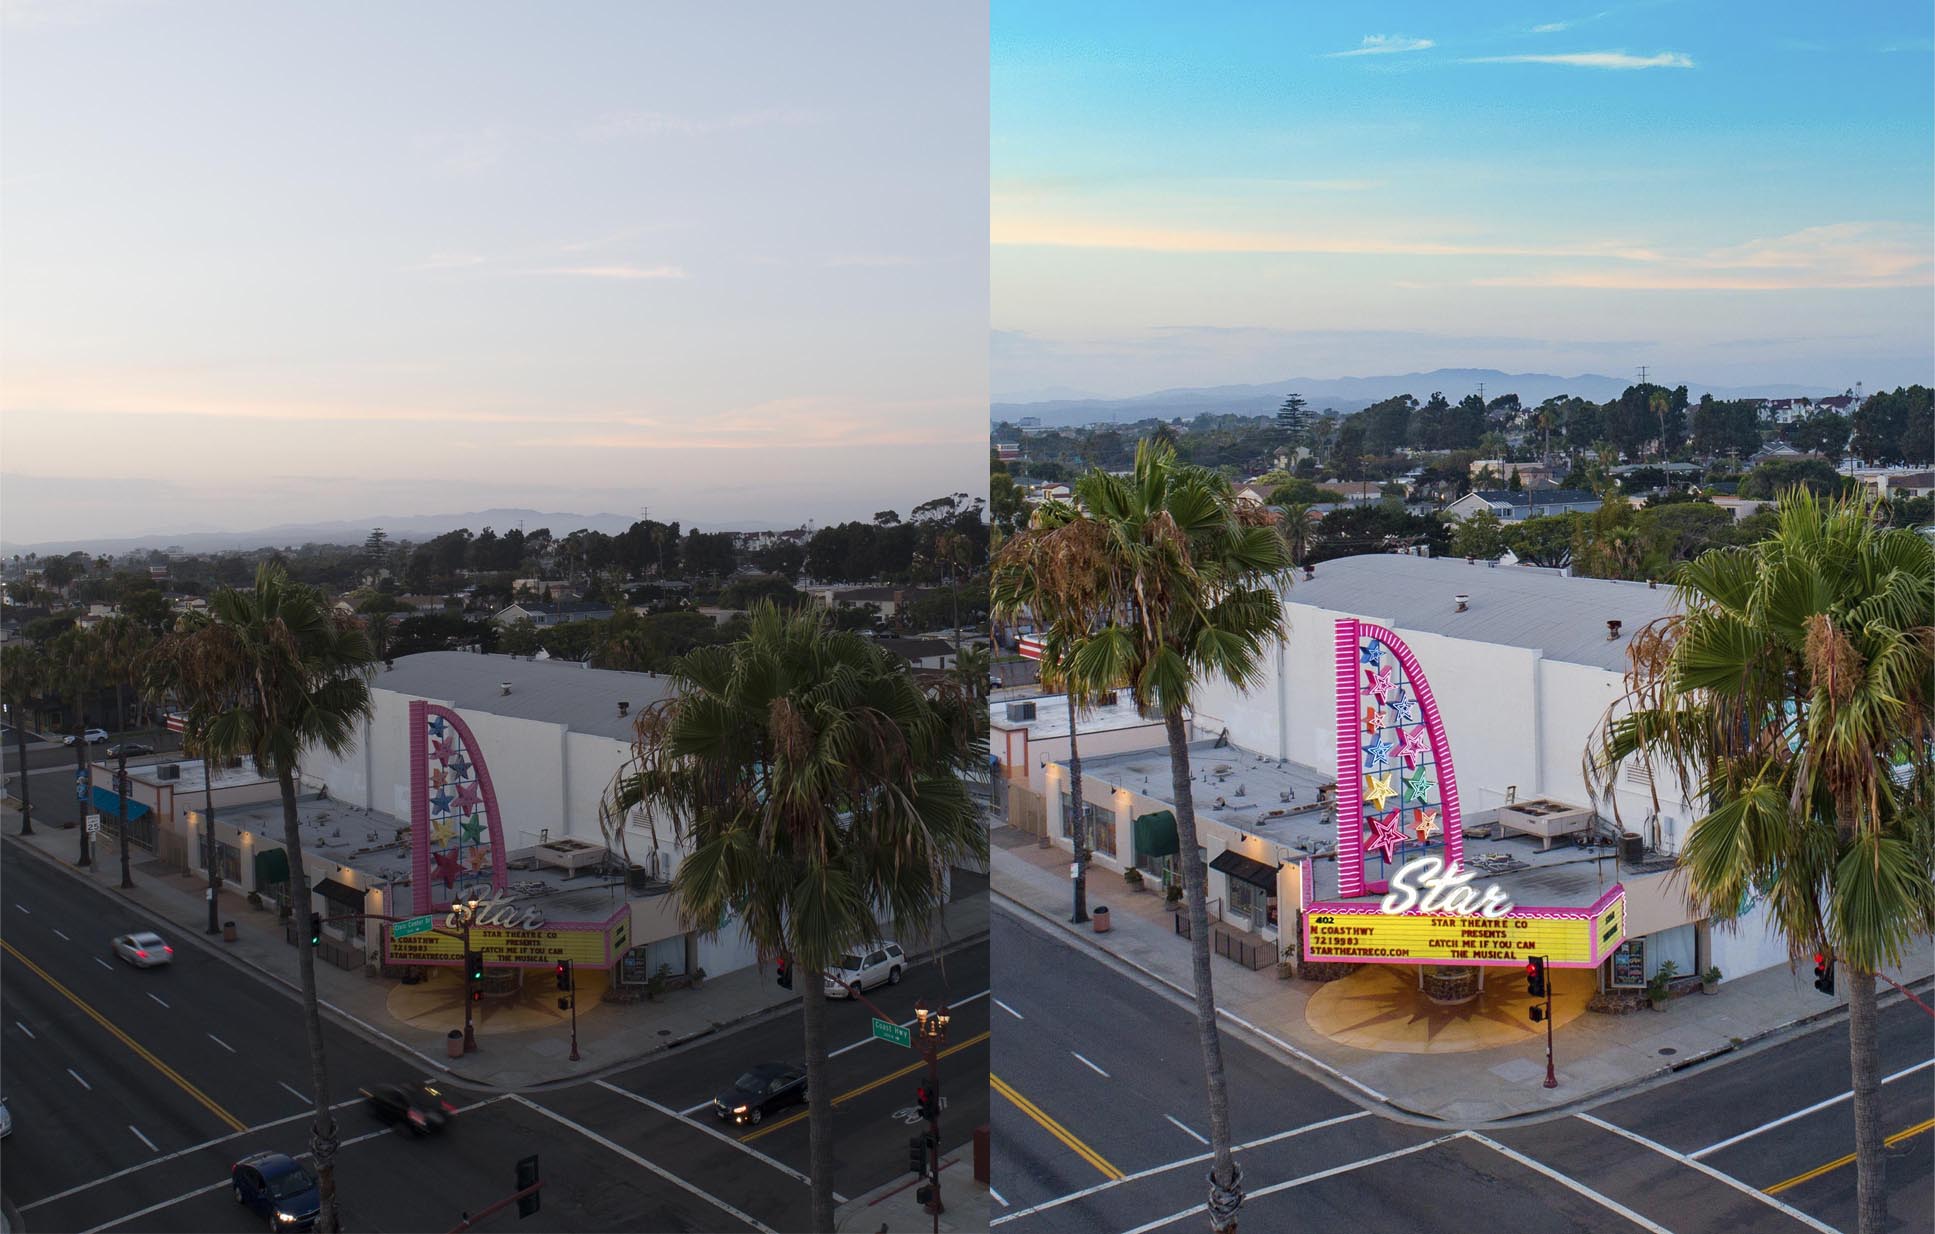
{"x": 553, "y": 614}
{"x": 1516, "y": 507}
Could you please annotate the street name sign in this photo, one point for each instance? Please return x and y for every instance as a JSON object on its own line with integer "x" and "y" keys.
{"x": 414, "y": 925}
{"x": 893, "y": 1034}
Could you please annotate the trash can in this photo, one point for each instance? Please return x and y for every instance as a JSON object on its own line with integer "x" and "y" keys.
{"x": 453, "y": 1043}
{"x": 228, "y": 931}
{"x": 1100, "y": 916}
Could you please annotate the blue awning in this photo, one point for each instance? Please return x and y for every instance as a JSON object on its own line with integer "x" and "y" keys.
{"x": 108, "y": 802}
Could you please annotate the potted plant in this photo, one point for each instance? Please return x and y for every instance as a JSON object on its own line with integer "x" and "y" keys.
{"x": 255, "y": 899}
{"x": 698, "y": 978}
{"x": 1656, "y": 988}
{"x": 1710, "y": 981}
{"x": 1172, "y": 897}
{"x": 655, "y": 987}
{"x": 1133, "y": 877}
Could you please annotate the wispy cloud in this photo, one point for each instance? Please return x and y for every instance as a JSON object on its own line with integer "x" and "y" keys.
{"x": 1595, "y": 60}
{"x": 609, "y": 272}
{"x": 1054, "y": 233}
{"x": 1382, "y": 45}
{"x": 1552, "y": 27}
{"x": 1834, "y": 256}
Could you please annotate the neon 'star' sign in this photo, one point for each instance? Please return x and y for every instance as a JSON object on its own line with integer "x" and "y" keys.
{"x": 1432, "y": 886}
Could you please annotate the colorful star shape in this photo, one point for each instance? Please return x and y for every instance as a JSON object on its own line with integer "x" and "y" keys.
{"x": 459, "y": 768}
{"x": 438, "y": 776}
{"x": 473, "y": 829}
{"x": 436, "y": 726}
{"x": 447, "y": 867}
{"x": 1427, "y": 825}
{"x": 479, "y": 858}
{"x": 444, "y": 751}
{"x": 1386, "y": 836}
{"x": 1403, "y": 710}
{"x": 1413, "y": 744}
{"x": 1416, "y": 789}
{"x": 1378, "y": 752}
{"x": 1371, "y": 653}
{"x": 470, "y": 795}
{"x": 1378, "y": 790}
{"x": 1383, "y": 682}
{"x": 440, "y": 803}
{"x": 443, "y": 831}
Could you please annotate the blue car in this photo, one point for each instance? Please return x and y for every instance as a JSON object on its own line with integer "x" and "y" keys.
{"x": 279, "y": 1189}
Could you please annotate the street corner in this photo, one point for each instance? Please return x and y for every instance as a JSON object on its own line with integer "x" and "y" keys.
{"x": 1388, "y": 1009}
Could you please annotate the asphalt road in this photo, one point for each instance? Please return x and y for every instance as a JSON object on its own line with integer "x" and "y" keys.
{"x": 50, "y": 767}
{"x": 134, "y": 1091}
{"x": 1100, "y": 1117}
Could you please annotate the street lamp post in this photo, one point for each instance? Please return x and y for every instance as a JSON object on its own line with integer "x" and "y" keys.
{"x": 83, "y": 788}
{"x": 930, "y": 1029}
{"x": 466, "y": 910}
{"x": 26, "y": 802}
{"x": 208, "y": 825}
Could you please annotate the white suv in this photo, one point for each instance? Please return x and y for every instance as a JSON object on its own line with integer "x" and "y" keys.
{"x": 864, "y": 972}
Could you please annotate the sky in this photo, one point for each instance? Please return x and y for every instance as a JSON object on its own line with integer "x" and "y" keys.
{"x": 271, "y": 263}
{"x": 1729, "y": 193}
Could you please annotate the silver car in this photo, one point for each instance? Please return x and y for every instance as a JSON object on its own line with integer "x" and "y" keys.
{"x": 143, "y": 950}
{"x": 864, "y": 971}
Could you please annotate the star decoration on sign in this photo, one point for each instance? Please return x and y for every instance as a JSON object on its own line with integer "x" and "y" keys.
{"x": 447, "y": 867}
{"x": 1372, "y": 721}
{"x": 1403, "y": 710}
{"x": 1416, "y": 789}
{"x": 459, "y": 768}
{"x": 1386, "y": 836}
{"x": 438, "y": 776}
{"x": 1378, "y": 752}
{"x": 1427, "y": 825}
{"x": 1413, "y": 745}
{"x": 444, "y": 751}
{"x": 1383, "y": 682}
{"x": 444, "y": 831}
{"x": 1370, "y": 654}
{"x": 440, "y": 803}
{"x": 479, "y": 858}
{"x": 473, "y": 829}
{"x": 436, "y": 726}
{"x": 470, "y": 795}
{"x": 1378, "y": 790}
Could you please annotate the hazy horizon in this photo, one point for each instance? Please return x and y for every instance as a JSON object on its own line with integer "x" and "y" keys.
{"x": 270, "y": 265}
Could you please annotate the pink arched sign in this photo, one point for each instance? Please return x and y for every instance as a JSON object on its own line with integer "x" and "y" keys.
{"x": 456, "y": 832}
{"x": 1392, "y": 756}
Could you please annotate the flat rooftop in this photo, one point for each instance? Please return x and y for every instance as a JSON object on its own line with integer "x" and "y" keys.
{"x": 372, "y": 843}
{"x": 193, "y": 772}
{"x": 1051, "y": 716}
{"x": 564, "y": 692}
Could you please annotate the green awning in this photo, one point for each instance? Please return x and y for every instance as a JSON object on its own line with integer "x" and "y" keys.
{"x": 271, "y": 867}
{"x": 1155, "y": 834}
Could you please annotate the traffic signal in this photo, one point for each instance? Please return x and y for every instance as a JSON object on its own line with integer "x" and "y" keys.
{"x": 1538, "y": 1014}
{"x": 1824, "y": 973}
{"x": 527, "y": 1177}
{"x": 917, "y": 1155}
{"x": 564, "y": 974}
{"x": 476, "y": 995}
{"x": 474, "y": 965}
{"x": 1535, "y": 976}
{"x": 928, "y": 1101}
{"x": 315, "y": 931}
{"x": 785, "y": 973}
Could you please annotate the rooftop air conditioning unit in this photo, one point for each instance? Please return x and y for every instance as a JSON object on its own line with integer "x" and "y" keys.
{"x": 168, "y": 771}
{"x": 1019, "y": 712}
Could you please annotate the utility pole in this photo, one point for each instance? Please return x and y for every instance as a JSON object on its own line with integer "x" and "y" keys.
{"x": 208, "y": 825}
{"x": 1642, "y": 374}
{"x": 82, "y": 789}
{"x": 930, "y": 1028}
{"x": 26, "y": 803}
{"x": 121, "y": 810}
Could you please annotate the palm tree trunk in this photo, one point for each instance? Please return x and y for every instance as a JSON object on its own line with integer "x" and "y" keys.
{"x": 1225, "y": 1180}
{"x": 322, "y": 1132}
{"x": 819, "y": 1101}
{"x": 1078, "y": 827}
{"x": 26, "y": 803}
{"x": 1865, "y": 1065}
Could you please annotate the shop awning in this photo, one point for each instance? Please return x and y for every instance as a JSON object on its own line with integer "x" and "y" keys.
{"x": 1155, "y": 834}
{"x": 342, "y": 893}
{"x": 271, "y": 867}
{"x": 1236, "y": 865}
{"x": 108, "y": 802}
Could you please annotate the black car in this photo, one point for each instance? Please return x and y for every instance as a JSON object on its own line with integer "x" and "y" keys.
{"x": 129, "y": 749}
{"x": 421, "y": 1107}
{"x": 278, "y": 1187}
{"x": 765, "y": 1088}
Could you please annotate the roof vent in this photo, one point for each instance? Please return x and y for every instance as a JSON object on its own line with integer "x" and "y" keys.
{"x": 624, "y": 708}
{"x": 1612, "y": 631}
{"x": 1652, "y": 584}
{"x": 1462, "y": 600}
{"x": 1309, "y": 572}
{"x": 503, "y": 687}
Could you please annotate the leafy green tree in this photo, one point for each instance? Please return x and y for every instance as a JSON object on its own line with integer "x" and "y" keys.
{"x": 1196, "y": 582}
{"x": 1347, "y": 450}
{"x": 273, "y": 672}
{"x": 811, "y": 783}
{"x": 520, "y": 638}
{"x": 746, "y": 592}
{"x": 1895, "y": 426}
{"x": 1303, "y": 492}
{"x": 1793, "y": 699}
{"x": 1480, "y": 536}
{"x": 147, "y": 607}
{"x": 1820, "y": 432}
{"x": 1543, "y": 541}
{"x": 1774, "y": 476}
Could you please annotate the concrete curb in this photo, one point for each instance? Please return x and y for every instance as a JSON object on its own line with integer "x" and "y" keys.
{"x": 1357, "y": 1092}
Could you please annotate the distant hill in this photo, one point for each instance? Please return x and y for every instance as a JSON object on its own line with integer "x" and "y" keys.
{"x": 417, "y": 527}
{"x": 1353, "y": 394}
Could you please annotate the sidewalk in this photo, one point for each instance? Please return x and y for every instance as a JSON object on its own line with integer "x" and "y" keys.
{"x": 894, "y": 1209}
{"x": 609, "y": 1035}
{"x": 1596, "y": 1054}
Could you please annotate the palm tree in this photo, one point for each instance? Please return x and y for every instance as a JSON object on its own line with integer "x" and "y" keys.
{"x": 1792, "y": 697}
{"x": 812, "y": 784}
{"x": 1057, "y": 570}
{"x": 274, "y": 671}
{"x": 1298, "y": 526}
{"x": 22, "y": 679}
{"x": 1196, "y": 580}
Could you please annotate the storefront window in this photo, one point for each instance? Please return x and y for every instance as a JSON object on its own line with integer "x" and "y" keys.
{"x": 1101, "y": 829}
{"x": 1248, "y": 901}
{"x": 1068, "y": 816}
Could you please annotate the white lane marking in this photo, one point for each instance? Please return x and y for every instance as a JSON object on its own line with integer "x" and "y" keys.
{"x": 144, "y": 1139}
{"x": 904, "y": 1024}
{"x": 1198, "y": 1159}
{"x": 23, "y": 908}
{"x": 155, "y": 1208}
{"x": 218, "y": 1041}
{"x": 1186, "y": 1129}
{"x": 78, "y": 1080}
{"x": 1298, "y": 1182}
{"x": 1091, "y": 1066}
{"x": 23, "y": 1028}
{"x": 1730, "y": 1141}
{"x": 180, "y": 1152}
{"x": 687, "y": 1113}
{"x": 103, "y": 963}
{"x": 158, "y": 998}
{"x": 63, "y": 936}
{"x": 1569, "y": 1183}
{"x": 997, "y": 1197}
{"x": 1730, "y": 1180}
{"x": 1010, "y": 1010}
{"x": 641, "y": 1162}
{"x": 1287, "y": 1048}
{"x": 715, "y": 1133}
{"x": 302, "y": 1097}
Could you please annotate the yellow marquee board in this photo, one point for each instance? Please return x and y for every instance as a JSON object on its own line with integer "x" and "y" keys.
{"x": 1357, "y": 932}
{"x": 589, "y": 944}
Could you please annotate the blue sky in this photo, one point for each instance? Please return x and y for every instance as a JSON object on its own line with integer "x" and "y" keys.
{"x": 268, "y": 263}
{"x": 1729, "y": 193}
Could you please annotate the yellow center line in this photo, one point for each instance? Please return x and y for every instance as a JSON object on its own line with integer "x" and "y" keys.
{"x": 235, "y": 1124}
{"x": 1054, "y": 1128}
{"x": 868, "y": 1087}
{"x": 1838, "y": 1162}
